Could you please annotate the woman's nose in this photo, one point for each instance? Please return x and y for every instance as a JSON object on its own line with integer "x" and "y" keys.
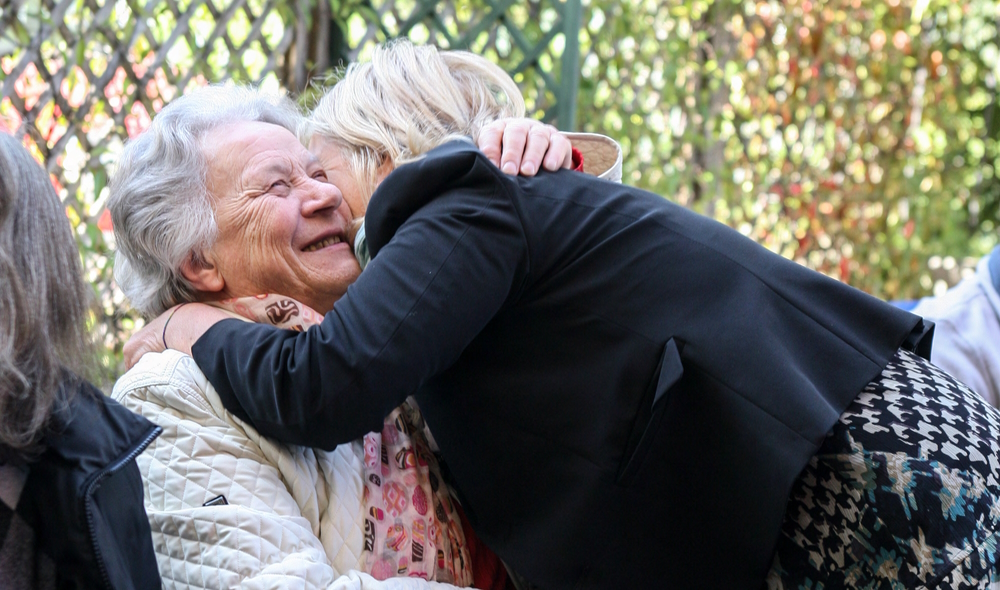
{"x": 322, "y": 196}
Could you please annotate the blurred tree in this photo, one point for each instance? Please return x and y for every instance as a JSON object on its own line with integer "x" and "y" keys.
{"x": 858, "y": 137}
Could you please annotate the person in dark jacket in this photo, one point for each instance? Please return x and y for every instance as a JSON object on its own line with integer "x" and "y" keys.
{"x": 71, "y": 500}
{"x": 627, "y": 394}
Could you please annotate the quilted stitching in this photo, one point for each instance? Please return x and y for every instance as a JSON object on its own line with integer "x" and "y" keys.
{"x": 294, "y": 515}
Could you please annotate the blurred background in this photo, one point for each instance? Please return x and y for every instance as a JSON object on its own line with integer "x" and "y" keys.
{"x": 857, "y": 137}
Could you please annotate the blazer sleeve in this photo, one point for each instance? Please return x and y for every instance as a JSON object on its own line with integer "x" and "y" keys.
{"x": 457, "y": 253}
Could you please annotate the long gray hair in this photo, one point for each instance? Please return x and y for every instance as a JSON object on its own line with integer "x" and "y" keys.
{"x": 43, "y": 302}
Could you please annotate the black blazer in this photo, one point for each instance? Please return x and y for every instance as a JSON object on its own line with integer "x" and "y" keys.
{"x": 623, "y": 390}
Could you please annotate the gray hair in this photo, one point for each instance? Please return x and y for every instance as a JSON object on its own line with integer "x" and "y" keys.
{"x": 44, "y": 303}
{"x": 160, "y": 206}
{"x": 407, "y": 100}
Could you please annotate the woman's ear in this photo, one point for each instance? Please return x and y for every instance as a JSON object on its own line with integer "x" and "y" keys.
{"x": 202, "y": 274}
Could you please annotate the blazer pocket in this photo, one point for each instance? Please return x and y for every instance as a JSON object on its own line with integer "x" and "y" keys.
{"x": 670, "y": 372}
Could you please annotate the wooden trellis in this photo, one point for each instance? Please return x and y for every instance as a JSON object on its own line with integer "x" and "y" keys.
{"x": 78, "y": 77}
{"x": 536, "y": 42}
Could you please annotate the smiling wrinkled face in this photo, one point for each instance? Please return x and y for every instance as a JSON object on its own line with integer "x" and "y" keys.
{"x": 281, "y": 222}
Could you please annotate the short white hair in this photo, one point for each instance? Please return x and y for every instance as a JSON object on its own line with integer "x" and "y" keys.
{"x": 407, "y": 100}
{"x": 159, "y": 201}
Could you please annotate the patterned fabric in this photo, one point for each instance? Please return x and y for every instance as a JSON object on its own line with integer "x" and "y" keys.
{"x": 903, "y": 493}
{"x": 412, "y": 527}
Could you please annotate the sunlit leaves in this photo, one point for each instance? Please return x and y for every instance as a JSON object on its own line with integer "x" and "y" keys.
{"x": 850, "y": 135}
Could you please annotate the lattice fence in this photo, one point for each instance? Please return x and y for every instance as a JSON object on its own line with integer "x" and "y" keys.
{"x": 537, "y": 42}
{"x": 79, "y": 77}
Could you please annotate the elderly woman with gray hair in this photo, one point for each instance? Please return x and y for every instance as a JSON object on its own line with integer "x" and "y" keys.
{"x": 218, "y": 202}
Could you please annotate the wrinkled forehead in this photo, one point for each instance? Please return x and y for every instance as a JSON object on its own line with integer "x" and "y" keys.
{"x": 249, "y": 136}
{"x": 235, "y": 149}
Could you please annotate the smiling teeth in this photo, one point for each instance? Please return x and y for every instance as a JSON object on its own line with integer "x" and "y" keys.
{"x": 327, "y": 242}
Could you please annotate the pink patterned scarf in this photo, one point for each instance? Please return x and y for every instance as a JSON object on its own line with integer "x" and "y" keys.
{"x": 412, "y": 526}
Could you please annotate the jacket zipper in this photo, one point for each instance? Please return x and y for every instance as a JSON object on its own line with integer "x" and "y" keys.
{"x": 108, "y": 472}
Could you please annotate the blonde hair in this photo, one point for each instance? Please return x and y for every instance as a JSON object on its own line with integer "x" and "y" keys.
{"x": 407, "y": 100}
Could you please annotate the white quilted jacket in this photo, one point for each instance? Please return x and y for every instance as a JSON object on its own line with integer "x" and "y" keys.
{"x": 294, "y": 514}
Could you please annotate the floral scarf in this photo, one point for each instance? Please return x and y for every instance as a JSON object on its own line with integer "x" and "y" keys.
{"x": 412, "y": 524}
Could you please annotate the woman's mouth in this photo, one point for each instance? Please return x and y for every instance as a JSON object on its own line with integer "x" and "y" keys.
{"x": 322, "y": 244}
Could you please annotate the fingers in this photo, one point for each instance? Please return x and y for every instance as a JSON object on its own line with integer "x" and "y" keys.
{"x": 148, "y": 339}
{"x": 524, "y": 146}
{"x": 560, "y": 152}
{"x": 515, "y": 137}
{"x": 143, "y": 341}
{"x": 538, "y": 143}
{"x": 128, "y": 351}
{"x": 177, "y": 328}
{"x": 490, "y": 140}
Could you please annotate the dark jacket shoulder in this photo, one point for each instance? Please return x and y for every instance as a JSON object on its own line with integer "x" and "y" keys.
{"x": 84, "y": 497}
{"x": 413, "y": 185}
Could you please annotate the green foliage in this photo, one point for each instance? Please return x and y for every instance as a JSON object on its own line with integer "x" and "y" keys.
{"x": 858, "y": 137}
